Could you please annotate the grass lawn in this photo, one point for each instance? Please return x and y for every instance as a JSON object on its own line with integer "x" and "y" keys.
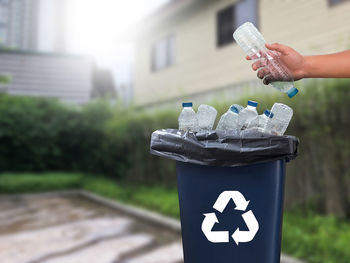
{"x": 314, "y": 238}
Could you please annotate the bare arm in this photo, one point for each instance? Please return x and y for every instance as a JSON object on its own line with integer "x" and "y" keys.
{"x": 322, "y": 66}
{"x": 328, "y": 66}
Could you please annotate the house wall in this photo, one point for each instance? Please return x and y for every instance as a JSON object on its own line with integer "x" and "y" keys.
{"x": 309, "y": 26}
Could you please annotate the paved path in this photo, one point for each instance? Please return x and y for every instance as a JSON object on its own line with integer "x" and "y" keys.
{"x": 69, "y": 228}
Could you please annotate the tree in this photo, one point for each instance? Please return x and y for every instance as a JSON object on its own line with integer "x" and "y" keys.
{"x": 4, "y": 79}
{"x": 103, "y": 84}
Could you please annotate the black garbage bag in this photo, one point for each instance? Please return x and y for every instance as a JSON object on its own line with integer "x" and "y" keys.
{"x": 220, "y": 148}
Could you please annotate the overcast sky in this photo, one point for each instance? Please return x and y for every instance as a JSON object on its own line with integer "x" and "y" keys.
{"x": 96, "y": 27}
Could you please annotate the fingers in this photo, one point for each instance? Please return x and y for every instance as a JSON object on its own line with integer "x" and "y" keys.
{"x": 259, "y": 64}
{"x": 262, "y": 73}
{"x": 278, "y": 47}
{"x": 268, "y": 79}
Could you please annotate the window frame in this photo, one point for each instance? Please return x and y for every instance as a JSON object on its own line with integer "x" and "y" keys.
{"x": 233, "y": 25}
{"x": 220, "y": 17}
{"x": 169, "y": 55}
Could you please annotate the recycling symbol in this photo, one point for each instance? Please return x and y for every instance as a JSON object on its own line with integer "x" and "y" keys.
{"x": 223, "y": 236}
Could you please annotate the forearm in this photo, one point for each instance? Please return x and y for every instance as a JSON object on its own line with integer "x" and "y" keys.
{"x": 327, "y": 66}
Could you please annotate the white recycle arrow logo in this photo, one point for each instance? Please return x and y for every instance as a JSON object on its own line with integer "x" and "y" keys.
{"x": 223, "y": 236}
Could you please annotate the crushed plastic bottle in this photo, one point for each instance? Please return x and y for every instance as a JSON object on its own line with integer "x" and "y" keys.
{"x": 206, "y": 116}
{"x": 253, "y": 43}
{"x": 247, "y": 114}
{"x": 282, "y": 114}
{"x": 229, "y": 120}
{"x": 188, "y": 118}
{"x": 259, "y": 122}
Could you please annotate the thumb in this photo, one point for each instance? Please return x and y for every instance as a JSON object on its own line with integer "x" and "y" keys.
{"x": 278, "y": 47}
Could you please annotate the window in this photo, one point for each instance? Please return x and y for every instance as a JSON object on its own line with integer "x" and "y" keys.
{"x": 231, "y": 17}
{"x": 163, "y": 53}
{"x": 225, "y": 20}
{"x": 335, "y": 2}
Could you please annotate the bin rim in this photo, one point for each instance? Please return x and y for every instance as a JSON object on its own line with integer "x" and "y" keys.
{"x": 218, "y": 148}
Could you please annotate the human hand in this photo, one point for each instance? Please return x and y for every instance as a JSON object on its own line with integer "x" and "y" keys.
{"x": 293, "y": 62}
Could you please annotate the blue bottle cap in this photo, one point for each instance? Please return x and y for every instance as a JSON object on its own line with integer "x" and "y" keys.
{"x": 292, "y": 92}
{"x": 252, "y": 103}
{"x": 187, "y": 104}
{"x": 268, "y": 113}
{"x": 234, "y": 109}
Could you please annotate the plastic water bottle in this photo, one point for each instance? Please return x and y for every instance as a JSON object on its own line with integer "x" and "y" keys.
{"x": 188, "y": 118}
{"x": 282, "y": 114}
{"x": 253, "y": 43}
{"x": 229, "y": 120}
{"x": 239, "y": 107}
{"x": 259, "y": 122}
{"x": 206, "y": 116}
{"x": 247, "y": 114}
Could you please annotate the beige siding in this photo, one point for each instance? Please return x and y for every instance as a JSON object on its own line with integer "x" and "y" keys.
{"x": 310, "y": 26}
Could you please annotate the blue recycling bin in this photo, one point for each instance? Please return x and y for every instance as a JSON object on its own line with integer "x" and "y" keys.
{"x": 231, "y": 188}
{"x": 231, "y": 214}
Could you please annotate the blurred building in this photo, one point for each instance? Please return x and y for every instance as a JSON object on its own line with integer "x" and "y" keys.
{"x": 186, "y": 49}
{"x": 62, "y": 76}
{"x": 33, "y": 52}
{"x": 19, "y": 23}
{"x": 35, "y": 25}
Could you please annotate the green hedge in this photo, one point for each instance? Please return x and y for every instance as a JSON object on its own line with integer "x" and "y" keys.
{"x": 45, "y": 135}
{"x": 42, "y": 134}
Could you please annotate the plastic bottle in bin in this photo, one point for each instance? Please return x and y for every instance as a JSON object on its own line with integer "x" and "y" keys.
{"x": 247, "y": 114}
{"x": 229, "y": 120}
{"x": 188, "y": 118}
{"x": 253, "y": 43}
{"x": 282, "y": 114}
{"x": 239, "y": 107}
{"x": 206, "y": 116}
{"x": 259, "y": 122}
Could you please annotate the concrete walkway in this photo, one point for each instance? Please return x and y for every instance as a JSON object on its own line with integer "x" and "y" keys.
{"x": 74, "y": 227}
